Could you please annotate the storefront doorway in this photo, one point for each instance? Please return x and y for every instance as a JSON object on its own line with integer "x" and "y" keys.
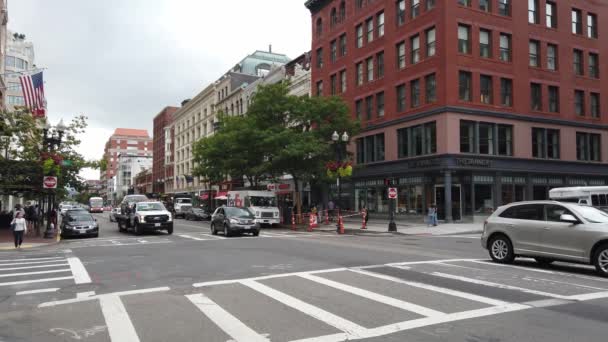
{"x": 456, "y": 202}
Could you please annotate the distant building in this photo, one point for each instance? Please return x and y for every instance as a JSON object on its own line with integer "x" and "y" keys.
{"x": 3, "y": 34}
{"x": 124, "y": 141}
{"x": 144, "y": 182}
{"x": 159, "y": 169}
{"x": 93, "y": 186}
{"x": 19, "y": 59}
{"x": 128, "y": 167}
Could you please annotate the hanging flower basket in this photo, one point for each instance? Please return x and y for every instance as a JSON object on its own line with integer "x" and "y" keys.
{"x": 342, "y": 169}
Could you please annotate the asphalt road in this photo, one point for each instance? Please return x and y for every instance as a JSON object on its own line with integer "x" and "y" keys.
{"x": 290, "y": 286}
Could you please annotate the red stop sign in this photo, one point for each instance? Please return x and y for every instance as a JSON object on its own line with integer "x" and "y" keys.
{"x": 392, "y": 193}
{"x": 49, "y": 182}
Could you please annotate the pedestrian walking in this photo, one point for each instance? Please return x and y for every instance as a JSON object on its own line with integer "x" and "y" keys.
{"x": 432, "y": 216}
{"x": 364, "y": 210}
{"x": 19, "y": 227}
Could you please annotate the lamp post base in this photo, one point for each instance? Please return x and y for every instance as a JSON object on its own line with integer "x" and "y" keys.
{"x": 392, "y": 227}
{"x": 49, "y": 234}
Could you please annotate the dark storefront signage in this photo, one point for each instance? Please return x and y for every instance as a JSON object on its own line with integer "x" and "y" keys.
{"x": 420, "y": 164}
{"x": 473, "y": 162}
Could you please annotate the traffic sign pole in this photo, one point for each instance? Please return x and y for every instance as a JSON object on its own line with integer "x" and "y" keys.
{"x": 392, "y": 198}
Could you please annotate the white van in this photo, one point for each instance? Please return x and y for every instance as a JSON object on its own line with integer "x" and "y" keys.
{"x": 262, "y": 204}
{"x": 595, "y": 196}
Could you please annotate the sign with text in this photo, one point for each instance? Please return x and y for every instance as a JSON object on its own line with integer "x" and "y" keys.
{"x": 392, "y": 193}
{"x": 49, "y": 182}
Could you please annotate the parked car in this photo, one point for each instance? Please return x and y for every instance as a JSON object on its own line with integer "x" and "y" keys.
{"x": 233, "y": 220}
{"x": 548, "y": 231}
{"x": 180, "y": 205}
{"x": 64, "y": 208}
{"x": 113, "y": 214}
{"x": 79, "y": 223}
{"x": 196, "y": 214}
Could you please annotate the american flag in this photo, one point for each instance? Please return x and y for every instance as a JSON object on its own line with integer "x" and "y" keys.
{"x": 33, "y": 92}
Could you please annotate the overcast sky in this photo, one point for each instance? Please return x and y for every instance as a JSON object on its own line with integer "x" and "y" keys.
{"x": 121, "y": 61}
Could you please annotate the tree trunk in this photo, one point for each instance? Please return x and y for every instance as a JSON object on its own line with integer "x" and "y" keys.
{"x": 297, "y": 200}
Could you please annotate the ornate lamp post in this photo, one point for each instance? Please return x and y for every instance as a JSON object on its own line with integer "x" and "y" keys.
{"x": 339, "y": 141}
{"x": 51, "y": 140}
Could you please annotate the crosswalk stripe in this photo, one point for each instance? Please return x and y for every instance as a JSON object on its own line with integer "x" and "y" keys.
{"x": 30, "y": 273}
{"x": 213, "y": 236}
{"x": 26, "y": 267}
{"x": 231, "y": 325}
{"x": 31, "y": 263}
{"x": 22, "y": 293}
{"x": 497, "y": 285}
{"x": 511, "y": 266}
{"x": 351, "y": 328}
{"x": 403, "y": 305}
{"x": 31, "y": 259}
{"x": 34, "y": 281}
{"x": 191, "y": 237}
{"x": 81, "y": 276}
{"x": 450, "y": 292}
{"x": 120, "y": 327}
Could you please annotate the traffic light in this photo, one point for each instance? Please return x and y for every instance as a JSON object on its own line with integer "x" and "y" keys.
{"x": 390, "y": 182}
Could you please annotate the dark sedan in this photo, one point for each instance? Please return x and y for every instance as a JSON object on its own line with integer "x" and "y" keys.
{"x": 196, "y": 214}
{"x": 232, "y": 220}
{"x": 79, "y": 223}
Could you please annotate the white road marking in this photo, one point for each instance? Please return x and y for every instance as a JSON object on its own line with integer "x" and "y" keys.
{"x": 226, "y": 321}
{"x": 589, "y": 296}
{"x": 85, "y": 294}
{"x": 31, "y": 263}
{"x": 273, "y": 234}
{"x": 22, "y": 293}
{"x": 120, "y": 327}
{"x": 446, "y": 291}
{"x": 213, "y": 236}
{"x": 272, "y": 276}
{"x": 497, "y": 285}
{"x": 427, "y": 262}
{"x": 352, "y": 329}
{"x": 26, "y": 267}
{"x": 34, "y": 281}
{"x": 191, "y": 237}
{"x": 85, "y": 299}
{"x": 512, "y": 266}
{"x": 565, "y": 283}
{"x": 30, "y": 273}
{"x": 394, "y": 302}
{"x": 81, "y": 276}
{"x": 31, "y": 259}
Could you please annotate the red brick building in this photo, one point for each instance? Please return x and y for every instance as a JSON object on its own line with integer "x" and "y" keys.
{"x": 144, "y": 182}
{"x": 467, "y": 103}
{"x": 159, "y": 169}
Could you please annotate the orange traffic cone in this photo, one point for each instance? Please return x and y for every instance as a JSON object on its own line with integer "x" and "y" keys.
{"x": 341, "y": 224}
{"x": 293, "y": 221}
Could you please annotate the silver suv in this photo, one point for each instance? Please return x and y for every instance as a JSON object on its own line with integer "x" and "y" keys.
{"x": 548, "y": 231}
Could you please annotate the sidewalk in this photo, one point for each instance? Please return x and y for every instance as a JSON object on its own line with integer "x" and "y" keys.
{"x": 29, "y": 241}
{"x": 407, "y": 228}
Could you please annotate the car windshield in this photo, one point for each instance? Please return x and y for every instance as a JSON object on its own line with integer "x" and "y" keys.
{"x": 262, "y": 201}
{"x": 150, "y": 206}
{"x": 136, "y": 199}
{"x": 198, "y": 211}
{"x": 183, "y": 200}
{"x": 80, "y": 218}
{"x": 593, "y": 215}
{"x": 238, "y": 212}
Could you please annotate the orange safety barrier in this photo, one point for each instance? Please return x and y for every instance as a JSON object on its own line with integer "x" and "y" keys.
{"x": 340, "y": 225}
{"x": 293, "y": 222}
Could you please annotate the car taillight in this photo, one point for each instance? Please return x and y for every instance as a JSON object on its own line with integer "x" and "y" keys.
{"x": 484, "y": 225}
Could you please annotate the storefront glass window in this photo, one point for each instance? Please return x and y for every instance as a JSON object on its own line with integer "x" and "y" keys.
{"x": 372, "y": 200}
{"x": 484, "y": 199}
{"x": 505, "y": 140}
{"x": 508, "y": 194}
{"x": 467, "y": 137}
{"x": 486, "y": 138}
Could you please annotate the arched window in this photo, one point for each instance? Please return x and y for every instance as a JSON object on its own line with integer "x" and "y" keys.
{"x": 319, "y": 27}
{"x": 333, "y": 18}
{"x": 342, "y": 11}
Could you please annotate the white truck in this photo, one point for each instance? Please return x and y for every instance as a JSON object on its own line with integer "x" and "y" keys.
{"x": 180, "y": 204}
{"x": 596, "y": 196}
{"x": 262, "y": 204}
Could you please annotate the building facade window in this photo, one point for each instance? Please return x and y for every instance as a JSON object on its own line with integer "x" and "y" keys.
{"x": 506, "y": 92}
{"x": 370, "y": 69}
{"x": 430, "y": 42}
{"x": 415, "y": 48}
{"x": 591, "y": 25}
{"x": 417, "y": 141}
{"x": 333, "y": 84}
{"x": 534, "y": 49}
{"x": 343, "y": 81}
{"x": 370, "y": 29}
{"x": 504, "y": 7}
{"x": 415, "y": 93}
{"x": 553, "y": 95}
{"x": 369, "y": 107}
{"x": 552, "y": 57}
{"x": 577, "y": 58}
{"x": 380, "y": 104}
{"x": 466, "y": 3}
{"x": 400, "y": 92}
{"x": 551, "y": 14}
{"x": 333, "y": 18}
{"x": 484, "y": 5}
{"x": 464, "y": 39}
{"x": 505, "y": 47}
{"x": 401, "y": 55}
{"x": 486, "y": 138}
{"x": 370, "y": 149}
{"x": 342, "y": 11}
{"x": 430, "y": 4}
{"x": 320, "y": 58}
{"x": 380, "y": 64}
{"x": 400, "y": 10}
{"x": 595, "y": 105}
{"x": 545, "y": 143}
{"x": 579, "y": 102}
{"x": 359, "y": 76}
{"x": 577, "y": 21}
{"x": 333, "y": 51}
{"x": 343, "y": 45}
{"x": 588, "y": 146}
{"x": 485, "y": 43}
{"x": 380, "y": 24}
{"x": 533, "y": 15}
{"x": 319, "y": 27}
{"x": 536, "y": 101}
{"x": 594, "y": 69}
{"x": 359, "y": 31}
{"x": 464, "y": 85}
{"x": 359, "y": 109}
{"x": 430, "y": 84}
{"x": 320, "y": 88}
{"x": 415, "y": 10}
{"x": 485, "y": 89}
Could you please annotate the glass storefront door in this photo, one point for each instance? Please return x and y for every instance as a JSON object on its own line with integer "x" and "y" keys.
{"x": 456, "y": 202}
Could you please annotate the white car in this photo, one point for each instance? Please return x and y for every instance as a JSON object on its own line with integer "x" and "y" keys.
{"x": 113, "y": 213}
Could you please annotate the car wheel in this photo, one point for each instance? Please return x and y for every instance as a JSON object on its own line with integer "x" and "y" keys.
{"x": 170, "y": 230}
{"x": 601, "y": 260}
{"x": 501, "y": 249}
{"x": 544, "y": 261}
{"x": 213, "y": 230}
{"x": 96, "y": 235}
{"x": 226, "y": 231}
{"x": 138, "y": 229}
{"x": 256, "y": 233}
{"x": 121, "y": 227}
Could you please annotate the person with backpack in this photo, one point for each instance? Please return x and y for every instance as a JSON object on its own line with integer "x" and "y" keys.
{"x": 19, "y": 227}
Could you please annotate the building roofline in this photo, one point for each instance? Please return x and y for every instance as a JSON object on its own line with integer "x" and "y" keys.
{"x": 315, "y": 5}
{"x": 196, "y": 100}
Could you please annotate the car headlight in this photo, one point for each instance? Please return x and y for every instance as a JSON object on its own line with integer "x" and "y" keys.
{"x": 235, "y": 221}
{"x": 170, "y": 217}
{"x": 276, "y": 214}
{"x": 141, "y": 217}
{"x": 257, "y": 214}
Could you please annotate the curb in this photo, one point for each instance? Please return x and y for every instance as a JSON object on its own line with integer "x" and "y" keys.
{"x": 11, "y": 248}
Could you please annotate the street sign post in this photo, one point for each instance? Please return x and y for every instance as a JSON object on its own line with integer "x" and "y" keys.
{"x": 392, "y": 193}
{"x": 49, "y": 182}
{"x": 392, "y": 198}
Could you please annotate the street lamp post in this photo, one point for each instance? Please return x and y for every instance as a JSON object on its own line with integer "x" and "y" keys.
{"x": 338, "y": 141}
{"x": 51, "y": 140}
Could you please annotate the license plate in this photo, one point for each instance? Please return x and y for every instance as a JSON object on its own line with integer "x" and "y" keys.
{"x": 247, "y": 227}
{"x": 157, "y": 225}
{"x": 82, "y": 231}
{"x": 265, "y": 221}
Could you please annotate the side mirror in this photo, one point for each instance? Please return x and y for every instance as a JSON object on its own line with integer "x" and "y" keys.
{"x": 568, "y": 218}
